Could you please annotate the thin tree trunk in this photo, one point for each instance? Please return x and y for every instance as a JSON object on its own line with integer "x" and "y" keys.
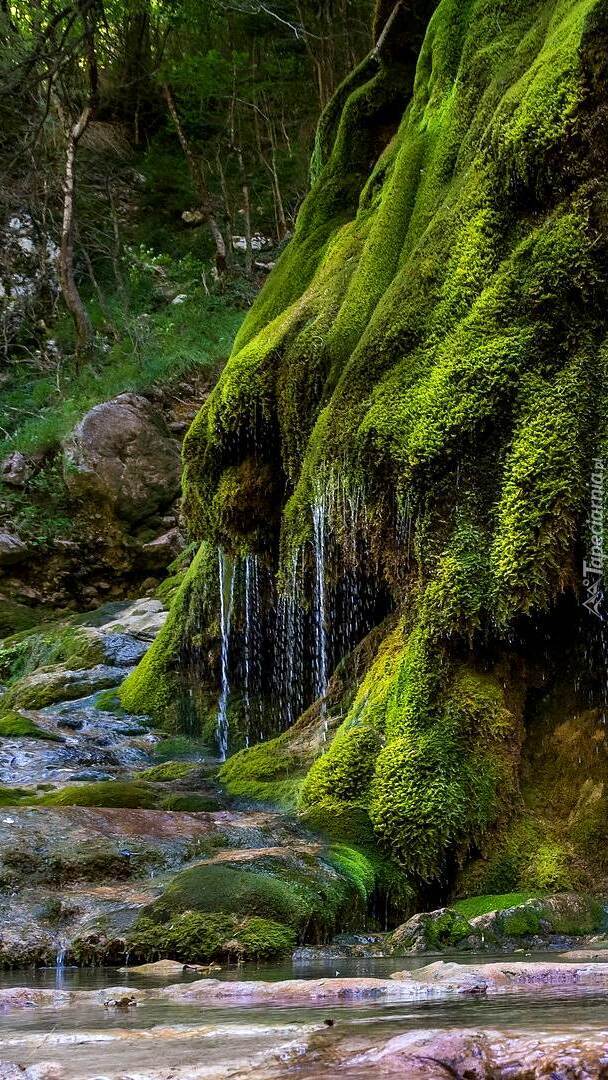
{"x": 198, "y": 180}
{"x": 244, "y": 182}
{"x": 227, "y": 207}
{"x": 69, "y": 288}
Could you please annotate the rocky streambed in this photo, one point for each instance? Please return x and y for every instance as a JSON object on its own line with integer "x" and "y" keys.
{"x": 516, "y": 1020}
{"x": 261, "y": 952}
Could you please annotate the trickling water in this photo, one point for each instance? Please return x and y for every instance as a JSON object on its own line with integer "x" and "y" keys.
{"x": 60, "y": 964}
{"x": 252, "y": 645}
{"x": 226, "y": 572}
{"x": 320, "y": 613}
{"x": 289, "y": 645}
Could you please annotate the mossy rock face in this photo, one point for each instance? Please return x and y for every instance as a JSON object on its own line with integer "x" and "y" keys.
{"x": 195, "y": 936}
{"x": 431, "y": 349}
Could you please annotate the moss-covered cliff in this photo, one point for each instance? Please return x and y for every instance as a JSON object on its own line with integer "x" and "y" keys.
{"x": 415, "y": 404}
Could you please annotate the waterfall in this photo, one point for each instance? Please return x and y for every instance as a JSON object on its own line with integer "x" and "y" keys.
{"x": 320, "y": 598}
{"x": 226, "y": 573}
{"x": 289, "y": 648}
{"x": 252, "y": 645}
{"x": 60, "y": 963}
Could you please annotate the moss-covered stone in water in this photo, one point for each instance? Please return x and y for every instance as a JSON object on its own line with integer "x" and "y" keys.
{"x": 481, "y": 905}
{"x": 15, "y": 726}
{"x": 312, "y": 893}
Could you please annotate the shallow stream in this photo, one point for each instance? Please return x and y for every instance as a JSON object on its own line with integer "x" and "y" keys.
{"x": 230, "y": 1040}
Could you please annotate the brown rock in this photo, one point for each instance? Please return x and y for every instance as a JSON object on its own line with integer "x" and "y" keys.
{"x": 123, "y": 454}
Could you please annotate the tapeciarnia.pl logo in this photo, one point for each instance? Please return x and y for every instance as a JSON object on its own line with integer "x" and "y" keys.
{"x": 593, "y": 564}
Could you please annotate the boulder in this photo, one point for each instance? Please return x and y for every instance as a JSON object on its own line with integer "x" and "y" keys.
{"x": 122, "y": 453}
{"x": 15, "y": 470}
{"x": 429, "y": 931}
{"x": 162, "y": 550}
{"x": 12, "y": 549}
{"x": 140, "y": 619}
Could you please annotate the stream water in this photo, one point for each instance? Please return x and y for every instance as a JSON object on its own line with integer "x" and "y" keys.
{"x": 92, "y": 1041}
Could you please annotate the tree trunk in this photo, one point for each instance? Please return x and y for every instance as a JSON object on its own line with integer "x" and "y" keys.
{"x": 69, "y": 288}
{"x": 198, "y": 180}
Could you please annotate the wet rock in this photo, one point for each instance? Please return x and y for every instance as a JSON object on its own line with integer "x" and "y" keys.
{"x": 122, "y": 452}
{"x": 141, "y": 619}
{"x": 162, "y": 969}
{"x": 123, "y": 650}
{"x": 513, "y": 975}
{"x": 15, "y": 470}
{"x": 12, "y": 549}
{"x": 51, "y": 685}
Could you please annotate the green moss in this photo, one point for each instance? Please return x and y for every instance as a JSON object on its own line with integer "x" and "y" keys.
{"x": 432, "y": 341}
{"x": 157, "y": 687}
{"x": 14, "y": 726}
{"x": 180, "y": 748}
{"x": 313, "y": 894}
{"x": 191, "y": 803}
{"x": 72, "y": 647}
{"x": 167, "y": 771}
{"x": 268, "y": 773}
{"x": 481, "y": 905}
{"x": 15, "y": 617}
{"x": 194, "y": 937}
{"x": 13, "y": 796}
{"x": 127, "y": 794}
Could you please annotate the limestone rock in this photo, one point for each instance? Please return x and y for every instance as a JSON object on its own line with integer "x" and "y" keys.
{"x": 123, "y": 454}
{"x": 12, "y": 549}
{"x": 140, "y": 619}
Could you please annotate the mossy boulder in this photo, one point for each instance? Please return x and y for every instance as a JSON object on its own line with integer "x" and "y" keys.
{"x": 431, "y": 931}
{"x": 194, "y": 936}
{"x": 14, "y": 725}
{"x": 500, "y": 922}
{"x": 568, "y": 915}
{"x": 120, "y": 793}
{"x": 313, "y": 892}
{"x": 47, "y": 686}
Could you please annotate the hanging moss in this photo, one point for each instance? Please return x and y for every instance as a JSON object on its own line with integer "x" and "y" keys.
{"x": 434, "y": 338}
